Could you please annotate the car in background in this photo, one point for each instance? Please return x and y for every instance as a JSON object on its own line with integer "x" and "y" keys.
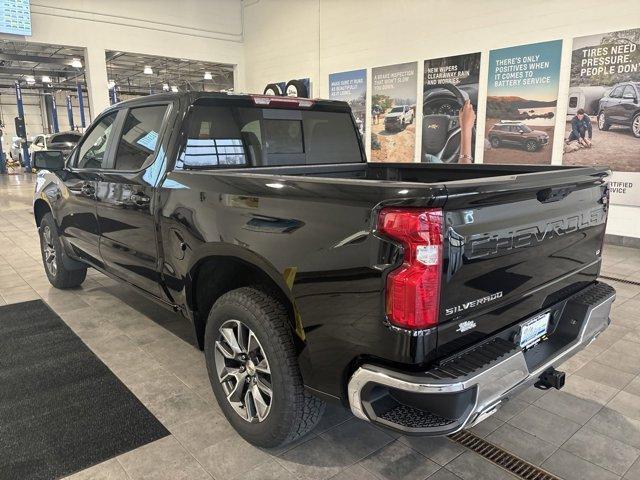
{"x": 398, "y": 118}
{"x": 621, "y": 107}
{"x": 16, "y": 149}
{"x": 63, "y": 141}
{"x": 518, "y": 134}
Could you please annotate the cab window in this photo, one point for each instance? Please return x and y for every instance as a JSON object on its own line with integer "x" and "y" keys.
{"x": 139, "y": 137}
{"x": 94, "y": 147}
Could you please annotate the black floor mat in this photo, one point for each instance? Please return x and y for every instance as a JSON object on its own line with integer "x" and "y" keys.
{"x": 61, "y": 409}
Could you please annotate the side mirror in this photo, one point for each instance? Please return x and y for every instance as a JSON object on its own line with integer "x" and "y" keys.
{"x": 52, "y": 160}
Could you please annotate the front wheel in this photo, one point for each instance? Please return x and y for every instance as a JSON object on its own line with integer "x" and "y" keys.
{"x": 52, "y": 256}
{"x": 635, "y": 126}
{"x": 253, "y": 369}
{"x": 531, "y": 145}
{"x": 495, "y": 142}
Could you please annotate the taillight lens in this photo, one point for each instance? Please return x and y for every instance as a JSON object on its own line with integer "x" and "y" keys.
{"x": 413, "y": 289}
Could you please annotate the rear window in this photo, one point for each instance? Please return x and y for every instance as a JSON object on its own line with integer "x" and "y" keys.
{"x": 232, "y": 137}
{"x": 64, "y": 138}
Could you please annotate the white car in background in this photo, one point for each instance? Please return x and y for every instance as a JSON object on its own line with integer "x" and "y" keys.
{"x": 63, "y": 141}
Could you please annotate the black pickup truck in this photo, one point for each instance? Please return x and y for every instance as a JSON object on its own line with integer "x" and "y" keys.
{"x": 421, "y": 296}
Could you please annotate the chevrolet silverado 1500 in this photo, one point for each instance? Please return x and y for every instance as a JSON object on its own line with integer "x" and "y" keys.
{"x": 421, "y": 296}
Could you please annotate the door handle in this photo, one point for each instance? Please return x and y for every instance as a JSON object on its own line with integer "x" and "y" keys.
{"x": 140, "y": 199}
{"x": 88, "y": 189}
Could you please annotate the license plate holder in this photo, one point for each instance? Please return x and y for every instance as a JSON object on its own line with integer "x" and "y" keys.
{"x": 533, "y": 329}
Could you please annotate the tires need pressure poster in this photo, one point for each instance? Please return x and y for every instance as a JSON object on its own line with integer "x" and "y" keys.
{"x": 449, "y": 82}
{"x": 393, "y": 113}
{"x": 603, "y": 110}
{"x": 522, "y": 94}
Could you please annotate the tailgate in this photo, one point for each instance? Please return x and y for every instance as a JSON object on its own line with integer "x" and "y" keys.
{"x": 513, "y": 247}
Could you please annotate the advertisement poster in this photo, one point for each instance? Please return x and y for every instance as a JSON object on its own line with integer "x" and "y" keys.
{"x": 522, "y": 95}
{"x": 393, "y": 112}
{"x": 603, "y": 113}
{"x": 448, "y": 83}
{"x": 351, "y": 87}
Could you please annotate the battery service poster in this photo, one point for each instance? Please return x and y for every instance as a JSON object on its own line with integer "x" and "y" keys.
{"x": 522, "y": 95}
{"x": 605, "y": 84}
{"x": 448, "y": 82}
{"x": 393, "y": 108}
{"x": 351, "y": 87}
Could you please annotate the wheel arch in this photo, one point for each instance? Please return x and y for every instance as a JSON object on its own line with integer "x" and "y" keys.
{"x": 40, "y": 209}
{"x": 215, "y": 273}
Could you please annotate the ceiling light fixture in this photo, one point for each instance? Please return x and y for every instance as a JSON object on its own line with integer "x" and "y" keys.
{"x": 165, "y": 87}
{"x": 46, "y": 79}
{"x": 76, "y": 63}
{"x": 208, "y": 76}
{"x": 174, "y": 89}
{"x": 30, "y": 79}
{"x": 112, "y": 84}
{"x": 148, "y": 70}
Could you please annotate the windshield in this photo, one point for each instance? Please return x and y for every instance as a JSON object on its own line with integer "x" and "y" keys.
{"x": 397, "y": 109}
{"x": 248, "y": 137}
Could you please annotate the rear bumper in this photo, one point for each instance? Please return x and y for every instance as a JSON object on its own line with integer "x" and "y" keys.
{"x": 463, "y": 390}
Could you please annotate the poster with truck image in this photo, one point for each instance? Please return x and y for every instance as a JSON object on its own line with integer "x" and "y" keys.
{"x": 605, "y": 85}
{"x": 448, "y": 83}
{"x": 393, "y": 109}
{"x": 522, "y": 95}
{"x": 351, "y": 87}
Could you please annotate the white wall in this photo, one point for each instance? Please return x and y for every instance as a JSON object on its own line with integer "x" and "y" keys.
{"x": 287, "y": 39}
{"x": 207, "y": 30}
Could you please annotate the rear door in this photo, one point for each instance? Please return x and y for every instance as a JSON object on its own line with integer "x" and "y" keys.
{"x": 514, "y": 246}
{"x": 128, "y": 243}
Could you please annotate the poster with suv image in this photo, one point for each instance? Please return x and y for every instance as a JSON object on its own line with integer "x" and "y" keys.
{"x": 448, "y": 83}
{"x": 351, "y": 87}
{"x": 603, "y": 109}
{"x": 522, "y": 94}
{"x": 393, "y": 113}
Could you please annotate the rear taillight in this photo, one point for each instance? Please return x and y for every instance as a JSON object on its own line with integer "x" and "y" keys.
{"x": 413, "y": 289}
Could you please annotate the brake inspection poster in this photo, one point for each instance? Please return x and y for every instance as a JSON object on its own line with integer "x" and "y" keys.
{"x": 448, "y": 81}
{"x": 605, "y": 83}
{"x": 351, "y": 87}
{"x": 393, "y": 109}
{"x": 522, "y": 95}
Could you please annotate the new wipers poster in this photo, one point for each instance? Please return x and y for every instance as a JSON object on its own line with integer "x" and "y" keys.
{"x": 448, "y": 83}
{"x": 522, "y": 94}
{"x": 603, "y": 112}
{"x": 393, "y": 113}
{"x": 351, "y": 87}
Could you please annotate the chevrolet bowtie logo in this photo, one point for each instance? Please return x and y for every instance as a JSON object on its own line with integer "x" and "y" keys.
{"x": 433, "y": 125}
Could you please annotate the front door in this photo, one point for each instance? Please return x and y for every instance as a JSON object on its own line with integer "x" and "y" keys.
{"x": 125, "y": 205}
{"x": 77, "y": 215}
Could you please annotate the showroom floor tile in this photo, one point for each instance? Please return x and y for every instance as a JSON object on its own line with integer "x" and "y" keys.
{"x": 590, "y": 429}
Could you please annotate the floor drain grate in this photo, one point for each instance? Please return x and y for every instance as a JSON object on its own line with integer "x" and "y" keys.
{"x": 621, "y": 280}
{"x": 501, "y": 457}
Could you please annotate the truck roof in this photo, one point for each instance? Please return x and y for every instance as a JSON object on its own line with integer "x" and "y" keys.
{"x": 203, "y": 97}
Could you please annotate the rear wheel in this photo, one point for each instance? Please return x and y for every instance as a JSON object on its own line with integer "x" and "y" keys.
{"x": 52, "y": 252}
{"x": 253, "y": 369}
{"x": 635, "y": 126}
{"x": 602, "y": 122}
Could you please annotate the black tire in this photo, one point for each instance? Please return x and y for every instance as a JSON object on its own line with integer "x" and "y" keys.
{"x": 300, "y": 88}
{"x": 293, "y": 411}
{"x": 602, "y": 122}
{"x": 531, "y": 146}
{"x": 495, "y": 142}
{"x": 272, "y": 89}
{"x": 60, "y": 276}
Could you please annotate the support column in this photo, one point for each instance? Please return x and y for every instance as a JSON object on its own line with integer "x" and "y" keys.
{"x": 97, "y": 82}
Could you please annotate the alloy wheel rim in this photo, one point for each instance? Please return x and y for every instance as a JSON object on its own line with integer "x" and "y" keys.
{"x": 531, "y": 146}
{"x": 49, "y": 251}
{"x": 601, "y": 120}
{"x": 636, "y": 126}
{"x": 243, "y": 371}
